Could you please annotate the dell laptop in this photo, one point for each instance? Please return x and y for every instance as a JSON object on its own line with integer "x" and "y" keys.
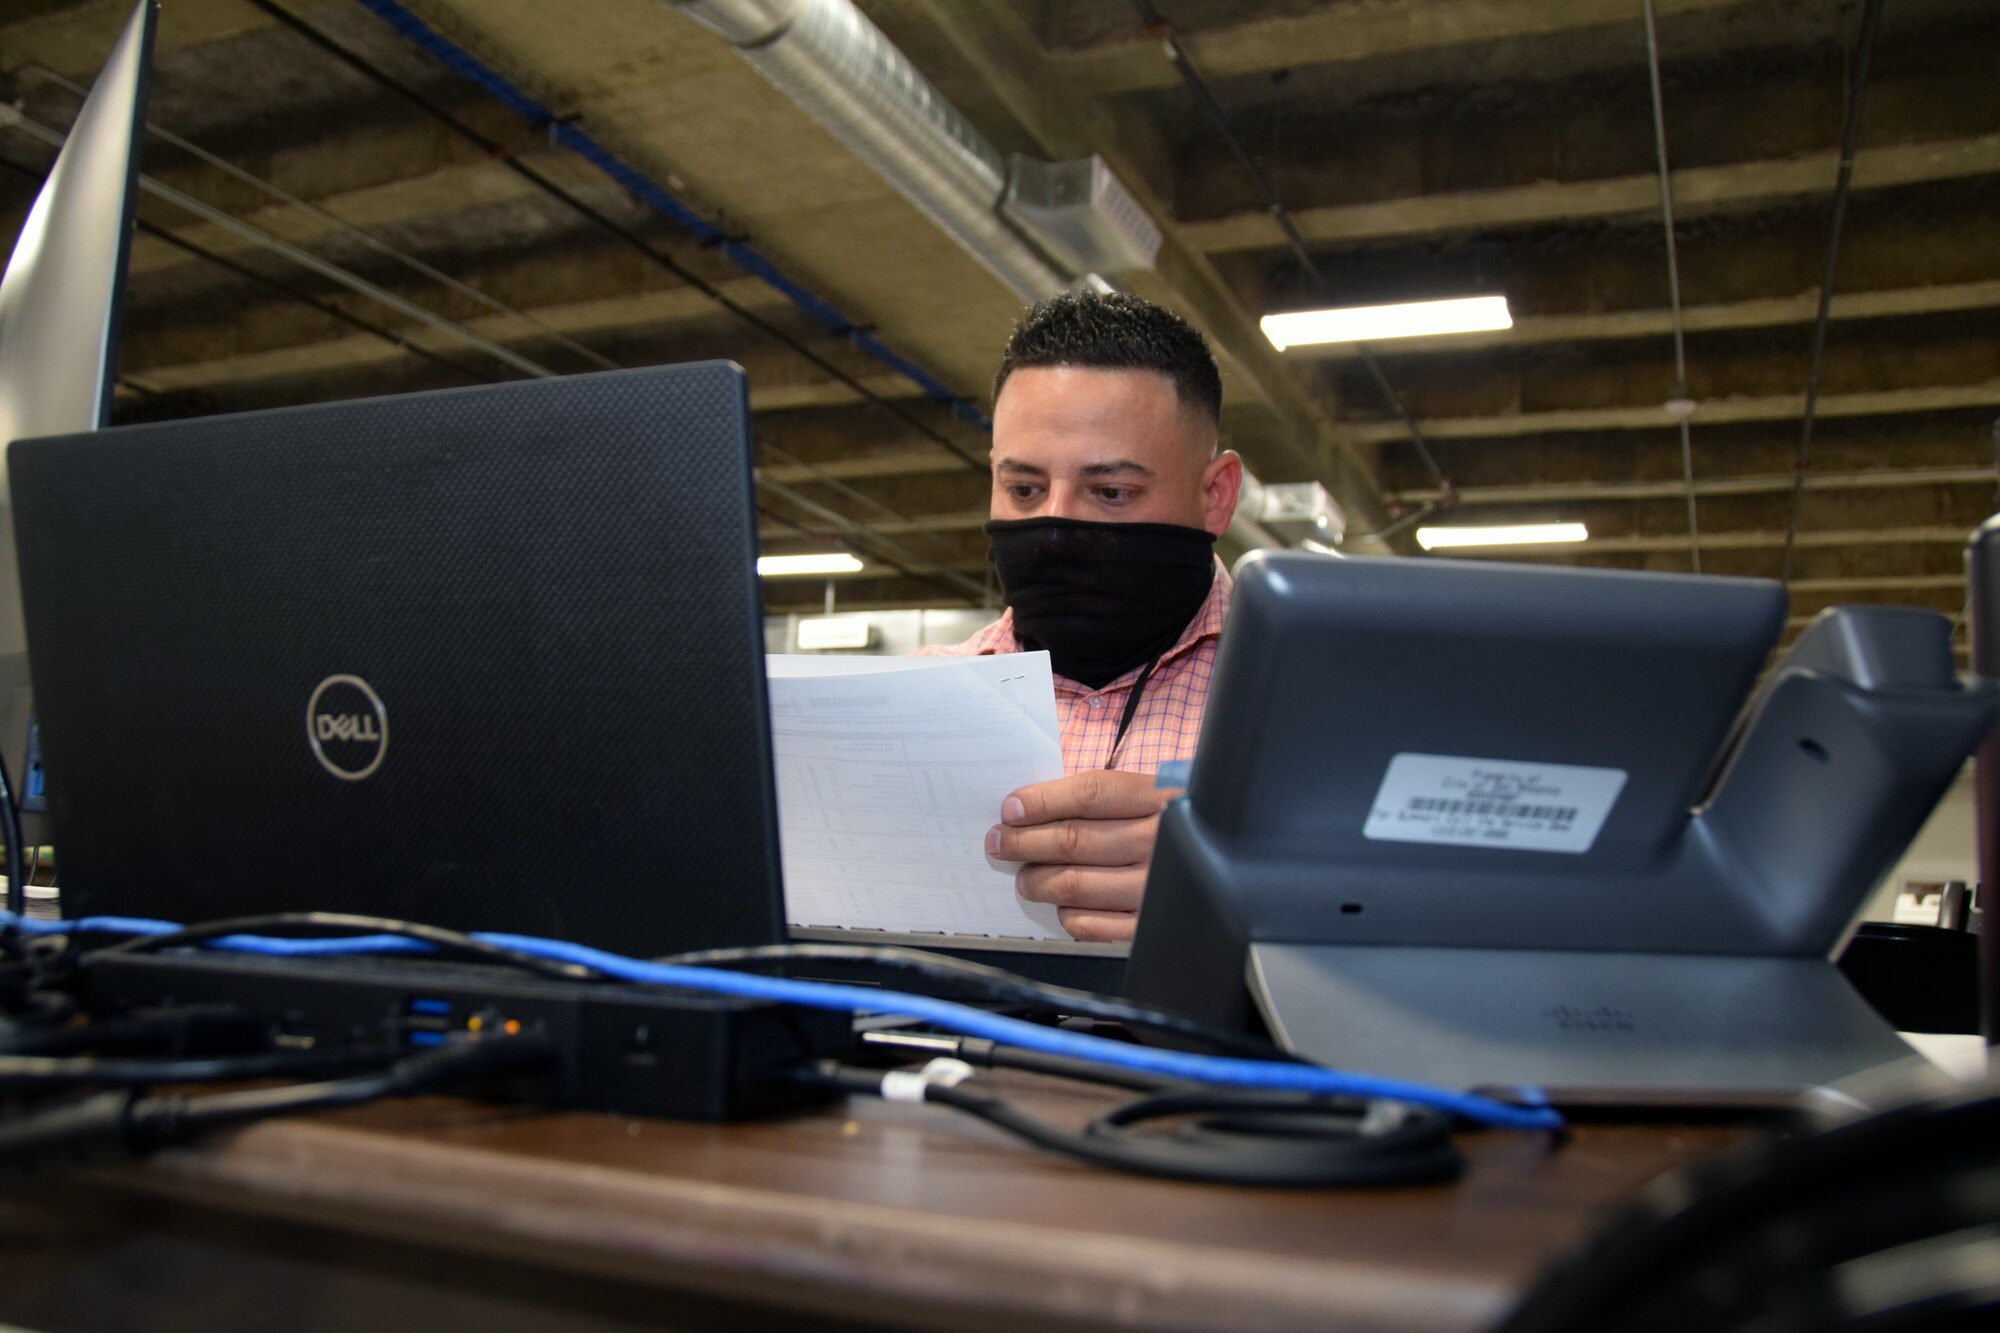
{"x": 487, "y": 658}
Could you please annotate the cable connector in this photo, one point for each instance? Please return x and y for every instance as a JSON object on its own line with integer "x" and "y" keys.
{"x": 902, "y": 1085}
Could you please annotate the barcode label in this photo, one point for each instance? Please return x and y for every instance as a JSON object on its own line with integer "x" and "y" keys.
{"x": 1503, "y": 804}
{"x": 1555, "y": 814}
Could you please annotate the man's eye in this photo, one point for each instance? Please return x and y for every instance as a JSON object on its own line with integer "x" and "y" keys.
{"x": 1114, "y": 494}
{"x": 1022, "y": 490}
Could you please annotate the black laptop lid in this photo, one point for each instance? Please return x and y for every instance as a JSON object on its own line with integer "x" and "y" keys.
{"x": 488, "y": 658}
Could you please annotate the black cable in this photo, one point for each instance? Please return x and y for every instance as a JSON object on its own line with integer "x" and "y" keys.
{"x": 31, "y": 1007}
{"x": 1850, "y": 140}
{"x": 20, "y": 1073}
{"x": 904, "y": 1045}
{"x": 193, "y": 1030}
{"x": 990, "y": 984}
{"x": 278, "y": 285}
{"x": 26, "y": 973}
{"x": 500, "y": 153}
{"x": 1274, "y": 207}
{"x": 995, "y": 1055}
{"x": 1850, "y": 1228}
{"x": 1229, "y": 1138}
{"x": 305, "y": 298}
{"x": 10, "y": 829}
{"x": 140, "y": 1122}
{"x": 449, "y": 942}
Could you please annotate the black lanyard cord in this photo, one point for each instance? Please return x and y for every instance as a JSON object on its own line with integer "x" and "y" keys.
{"x": 1131, "y": 707}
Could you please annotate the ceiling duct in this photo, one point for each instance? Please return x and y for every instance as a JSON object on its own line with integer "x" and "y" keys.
{"x": 839, "y": 68}
{"x": 1081, "y": 213}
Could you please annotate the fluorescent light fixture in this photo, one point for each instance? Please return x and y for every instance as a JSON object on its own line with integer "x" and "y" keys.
{"x": 1519, "y": 534}
{"x": 823, "y": 633}
{"x": 1371, "y": 323}
{"x": 833, "y": 562}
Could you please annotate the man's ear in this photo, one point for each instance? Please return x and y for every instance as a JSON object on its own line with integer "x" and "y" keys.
{"x": 1221, "y": 482}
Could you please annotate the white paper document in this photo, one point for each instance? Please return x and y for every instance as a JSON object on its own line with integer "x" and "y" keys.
{"x": 889, "y": 777}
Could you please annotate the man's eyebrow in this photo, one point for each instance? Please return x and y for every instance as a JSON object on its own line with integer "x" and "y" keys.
{"x": 1016, "y": 465}
{"x": 1123, "y": 467}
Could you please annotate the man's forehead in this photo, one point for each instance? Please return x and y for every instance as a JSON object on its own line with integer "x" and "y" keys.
{"x": 1089, "y": 467}
{"x": 1091, "y": 387}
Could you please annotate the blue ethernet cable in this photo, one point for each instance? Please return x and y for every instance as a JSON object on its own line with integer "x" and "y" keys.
{"x": 1219, "y": 1071}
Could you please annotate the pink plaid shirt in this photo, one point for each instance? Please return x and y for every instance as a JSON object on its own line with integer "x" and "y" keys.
{"x": 1168, "y": 720}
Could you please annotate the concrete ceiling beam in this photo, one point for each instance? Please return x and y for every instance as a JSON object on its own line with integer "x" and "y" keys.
{"x": 961, "y": 521}
{"x": 1942, "y": 441}
{"x": 1885, "y": 583}
{"x": 917, "y": 462}
{"x": 1336, "y": 34}
{"x": 73, "y": 39}
{"x": 1944, "y": 601}
{"x": 881, "y": 596}
{"x": 1712, "y": 411}
{"x": 1962, "y": 507}
{"x": 1765, "y": 312}
{"x": 1580, "y": 492}
{"x": 774, "y": 387}
{"x": 425, "y": 195}
{"x": 1729, "y": 541}
{"x": 1697, "y": 191}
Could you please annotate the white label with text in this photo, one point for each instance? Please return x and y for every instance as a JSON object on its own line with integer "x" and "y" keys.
{"x": 1504, "y": 804}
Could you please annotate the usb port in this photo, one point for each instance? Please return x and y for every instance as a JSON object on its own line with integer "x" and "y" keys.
{"x": 426, "y": 1019}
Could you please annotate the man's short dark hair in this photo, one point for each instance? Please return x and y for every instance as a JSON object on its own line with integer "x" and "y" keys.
{"x": 1116, "y": 331}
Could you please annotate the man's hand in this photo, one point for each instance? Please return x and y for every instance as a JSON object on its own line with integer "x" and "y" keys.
{"x": 1086, "y": 841}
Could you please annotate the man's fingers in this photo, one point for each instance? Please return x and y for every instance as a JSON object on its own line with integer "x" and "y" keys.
{"x": 1089, "y": 842}
{"x": 1091, "y": 888}
{"x": 1083, "y": 924}
{"x": 1092, "y": 794}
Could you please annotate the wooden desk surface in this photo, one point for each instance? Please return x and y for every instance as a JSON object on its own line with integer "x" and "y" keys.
{"x": 917, "y": 1216}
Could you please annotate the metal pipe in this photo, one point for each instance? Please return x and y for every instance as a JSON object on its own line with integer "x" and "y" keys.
{"x": 843, "y": 72}
{"x": 1850, "y": 139}
{"x": 1673, "y": 279}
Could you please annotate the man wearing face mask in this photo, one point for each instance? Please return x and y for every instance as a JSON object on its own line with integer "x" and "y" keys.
{"x": 1109, "y": 491}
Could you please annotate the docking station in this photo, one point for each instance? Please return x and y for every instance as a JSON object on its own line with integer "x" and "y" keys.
{"x": 621, "y": 1048}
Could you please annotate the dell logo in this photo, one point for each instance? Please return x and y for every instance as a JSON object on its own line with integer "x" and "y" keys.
{"x": 347, "y": 727}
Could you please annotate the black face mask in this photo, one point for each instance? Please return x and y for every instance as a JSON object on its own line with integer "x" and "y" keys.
{"x": 1102, "y": 598}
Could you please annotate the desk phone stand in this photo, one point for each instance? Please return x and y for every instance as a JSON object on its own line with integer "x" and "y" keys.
{"x": 1680, "y": 953}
